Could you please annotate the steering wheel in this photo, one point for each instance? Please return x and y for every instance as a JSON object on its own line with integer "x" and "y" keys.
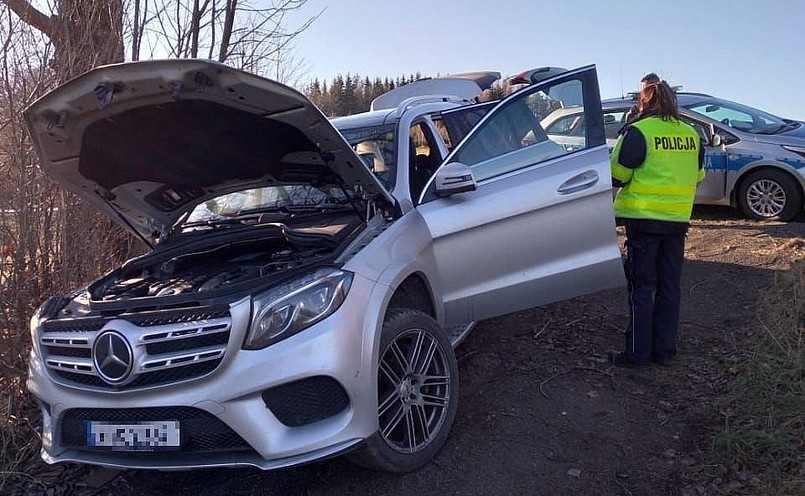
{"x": 726, "y": 121}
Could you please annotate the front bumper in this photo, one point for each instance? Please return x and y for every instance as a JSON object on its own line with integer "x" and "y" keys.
{"x": 338, "y": 349}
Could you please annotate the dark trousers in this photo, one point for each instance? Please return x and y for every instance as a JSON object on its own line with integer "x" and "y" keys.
{"x": 655, "y": 252}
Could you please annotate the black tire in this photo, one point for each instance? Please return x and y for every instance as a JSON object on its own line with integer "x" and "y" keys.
{"x": 423, "y": 400}
{"x": 769, "y": 194}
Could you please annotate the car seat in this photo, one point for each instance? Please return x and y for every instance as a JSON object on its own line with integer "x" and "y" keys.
{"x": 422, "y": 167}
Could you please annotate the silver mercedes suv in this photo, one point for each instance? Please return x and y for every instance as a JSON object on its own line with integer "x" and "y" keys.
{"x": 306, "y": 285}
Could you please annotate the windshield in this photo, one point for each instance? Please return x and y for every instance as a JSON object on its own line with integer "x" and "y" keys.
{"x": 240, "y": 204}
{"x": 375, "y": 145}
{"x": 740, "y": 117}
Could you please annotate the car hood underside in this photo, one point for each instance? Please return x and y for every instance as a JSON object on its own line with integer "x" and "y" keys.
{"x": 147, "y": 141}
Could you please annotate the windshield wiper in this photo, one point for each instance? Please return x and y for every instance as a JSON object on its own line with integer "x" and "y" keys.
{"x": 224, "y": 221}
{"x": 779, "y": 129}
{"x": 788, "y": 125}
{"x": 319, "y": 207}
{"x": 254, "y": 214}
{"x": 293, "y": 209}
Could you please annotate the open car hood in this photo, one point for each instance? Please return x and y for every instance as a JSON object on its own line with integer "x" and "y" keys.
{"x": 146, "y": 142}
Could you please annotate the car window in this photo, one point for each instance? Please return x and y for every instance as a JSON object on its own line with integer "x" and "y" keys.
{"x": 514, "y": 136}
{"x": 443, "y": 132}
{"x": 613, "y": 122}
{"x": 726, "y": 137}
{"x": 567, "y": 125}
{"x": 424, "y": 157}
{"x": 375, "y": 145}
{"x": 264, "y": 199}
{"x": 704, "y": 131}
{"x": 700, "y": 128}
{"x": 737, "y": 116}
{"x": 457, "y": 123}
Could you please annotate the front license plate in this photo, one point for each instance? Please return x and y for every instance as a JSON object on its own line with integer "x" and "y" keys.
{"x": 136, "y": 436}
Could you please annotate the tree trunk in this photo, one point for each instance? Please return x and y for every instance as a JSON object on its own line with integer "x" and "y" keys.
{"x": 226, "y": 35}
{"x": 85, "y": 34}
{"x": 88, "y": 33}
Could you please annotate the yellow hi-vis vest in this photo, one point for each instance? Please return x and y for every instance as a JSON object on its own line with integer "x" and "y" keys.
{"x": 664, "y": 185}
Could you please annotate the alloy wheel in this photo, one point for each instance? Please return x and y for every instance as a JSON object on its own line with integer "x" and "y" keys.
{"x": 414, "y": 388}
{"x": 766, "y": 198}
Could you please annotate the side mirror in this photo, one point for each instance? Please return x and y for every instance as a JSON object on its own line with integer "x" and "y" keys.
{"x": 715, "y": 140}
{"x": 453, "y": 178}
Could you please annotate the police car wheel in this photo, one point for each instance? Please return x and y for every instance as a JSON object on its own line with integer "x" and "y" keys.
{"x": 769, "y": 194}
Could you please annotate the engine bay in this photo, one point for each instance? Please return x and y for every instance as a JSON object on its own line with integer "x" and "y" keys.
{"x": 233, "y": 261}
{"x": 209, "y": 270}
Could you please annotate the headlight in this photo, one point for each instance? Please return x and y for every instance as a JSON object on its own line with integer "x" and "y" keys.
{"x": 285, "y": 310}
{"x": 34, "y": 326}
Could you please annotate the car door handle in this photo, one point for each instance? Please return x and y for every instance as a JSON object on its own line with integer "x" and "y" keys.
{"x": 579, "y": 182}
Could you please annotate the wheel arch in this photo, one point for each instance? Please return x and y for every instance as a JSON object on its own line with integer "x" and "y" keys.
{"x": 415, "y": 293}
{"x": 408, "y": 288}
{"x": 744, "y": 173}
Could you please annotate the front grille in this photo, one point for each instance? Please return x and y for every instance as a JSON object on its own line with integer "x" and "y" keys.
{"x": 175, "y": 316}
{"x": 188, "y": 343}
{"x": 166, "y": 376}
{"x": 306, "y": 401}
{"x": 200, "y": 431}
{"x": 74, "y": 325}
{"x": 69, "y": 352}
{"x": 168, "y": 346}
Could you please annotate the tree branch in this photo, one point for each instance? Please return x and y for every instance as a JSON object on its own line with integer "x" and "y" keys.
{"x": 229, "y": 21}
{"x": 31, "y": 16}
{"x": 195, "y": 20}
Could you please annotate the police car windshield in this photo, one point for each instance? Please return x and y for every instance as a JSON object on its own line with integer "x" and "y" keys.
{"x": 737, "y": 116}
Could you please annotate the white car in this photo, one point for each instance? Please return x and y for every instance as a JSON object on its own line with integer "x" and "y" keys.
{"x": 566, "y": 126}
{"x": 296, "y": 305}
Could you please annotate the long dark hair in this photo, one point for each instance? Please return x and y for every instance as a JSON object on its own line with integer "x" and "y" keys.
{"x": 659, "y": 99}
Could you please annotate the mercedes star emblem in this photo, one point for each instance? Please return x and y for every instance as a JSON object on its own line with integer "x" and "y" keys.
{"x": 113, "y": 357}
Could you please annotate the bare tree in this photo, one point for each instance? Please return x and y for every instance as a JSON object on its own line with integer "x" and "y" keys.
{"x": 84, "y": 33}
{"x": 28, "y": 228}
{"x": 50, "y": 241}
{"x": 254, "y": 35}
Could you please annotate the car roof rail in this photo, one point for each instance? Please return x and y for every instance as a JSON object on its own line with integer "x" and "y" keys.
{"x": 693, "y": 93}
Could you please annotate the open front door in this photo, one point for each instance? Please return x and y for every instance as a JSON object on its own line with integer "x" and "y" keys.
{"x": 540, "y": 226}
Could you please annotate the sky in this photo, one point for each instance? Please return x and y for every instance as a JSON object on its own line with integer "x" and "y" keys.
{"x": 751, "y": 52}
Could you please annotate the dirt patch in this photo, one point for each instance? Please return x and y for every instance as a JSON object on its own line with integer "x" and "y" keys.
{"x": 541, "y": 412}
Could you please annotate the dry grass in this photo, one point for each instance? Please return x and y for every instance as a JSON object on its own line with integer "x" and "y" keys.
{"x": 764, "y": 411}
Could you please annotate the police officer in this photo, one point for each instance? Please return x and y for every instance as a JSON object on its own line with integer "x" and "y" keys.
{"x": 632, "y": 113}
{"x": 658, "y": 163}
